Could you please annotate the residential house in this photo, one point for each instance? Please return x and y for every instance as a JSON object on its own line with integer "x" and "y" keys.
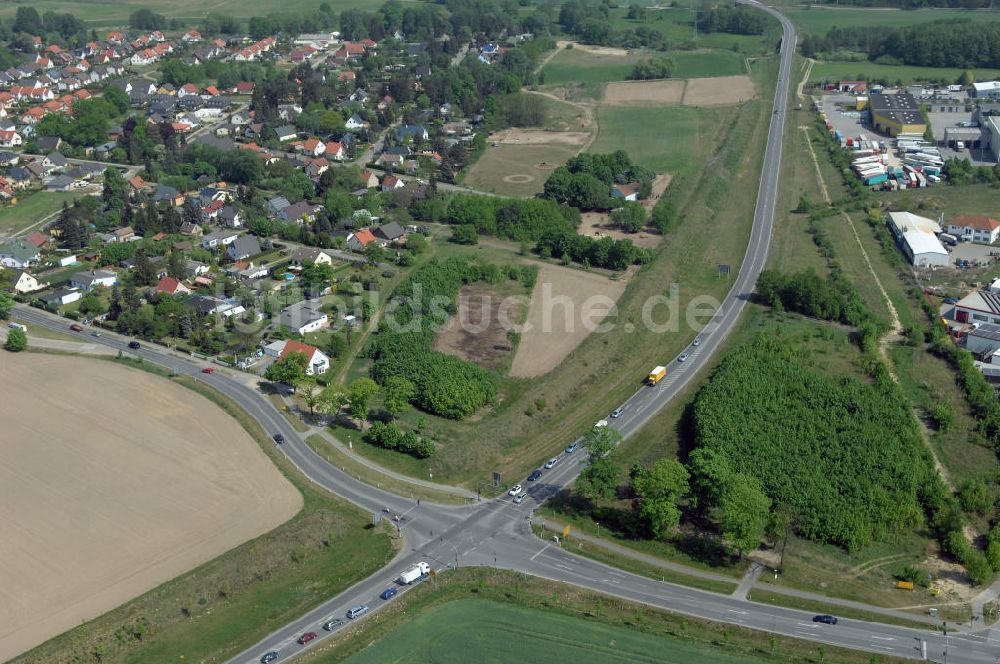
{"x": 316, "y": 361}
{"x": 245, "y": 246}
{"x": 187, "y": 228}
{"x": 314, "y": 147}
{"x": 300, "y": 212}
{"x": 62, "y": 183}
{"x": 303, "y": 255}
{"x": 230, "y": 217}
{"x": 10, "y": 139}
{"x": 167, "y": 194}
{"x": 195, "y": 269}
{"x": 304, "y": 317}
{"x": 388, "y": 233}
{"x": 36, "y": 238}
{"x": 221, "y": 238}
{"x": 369, "y": 179}
{"x": 277, "y": 204}
{"x": 24, "y": 282}
{"x": 125, "y": 234}
{"x": 391, "y": 182}
{"x": 62, "y": 296}
{"x": 975, "y": 228}
{"x": 87, "y": 281}
{"x": 172, "y": 286}
{"x": 359, "y": 240}
{"x": 411, "y": 132}
{"x": 55, "y": 160}
{"x": 334, "y": 151}
{"x": 355, "y": 122}
{"x": 18, "y": 254}
{"x": 626, "y": 192}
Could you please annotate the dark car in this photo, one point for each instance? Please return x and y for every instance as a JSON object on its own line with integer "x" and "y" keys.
{"x": 278, "y": 438}
{"x": 829, "y": 620}
{"x": 535, "y": 474}
{"x": 388, "y": 593}
{"x": 269, "y": 657}
{"x": 134, "y": 345}
{"x": 306, "y": 638}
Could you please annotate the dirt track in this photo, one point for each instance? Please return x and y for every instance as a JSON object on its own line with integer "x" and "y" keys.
{"x": 114, "y": 481}
{"x": 554, "y": 332}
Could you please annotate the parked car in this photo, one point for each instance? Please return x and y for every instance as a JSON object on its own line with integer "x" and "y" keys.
{"x": 134, "y": 345}
{"x": 535, "y": 474}
{"x": 572, "y": 447}
{"x": 208, "y": 370}
{"x": 357, "y": 611}
{"x": 306, "y": 638}
{"x": 551, "y": 463}
{"x": 515, "y": 490}
{"x": 828, "y": 619}
{"x": 278, "y": 438}
{"x": 76, "y": 327}
{"x": 388, "y": 593}
{"x": 269, "y": 657}
{"x": 682, "y": 357}
{"x": 331, "y": 625}
{"x": 617, "y": 412}
{"x": 519, "y": 498}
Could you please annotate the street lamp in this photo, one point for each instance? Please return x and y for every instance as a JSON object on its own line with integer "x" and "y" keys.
{"x": 598, "y": 528}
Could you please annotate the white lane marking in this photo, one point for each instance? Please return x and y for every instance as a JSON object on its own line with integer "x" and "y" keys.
{"x": 539, "y": 552}
{"x": 812, "y": 625}
{"x": 889, "y": 648}
{"x": 884, "y": 638}
{"x": 742, "y": 613}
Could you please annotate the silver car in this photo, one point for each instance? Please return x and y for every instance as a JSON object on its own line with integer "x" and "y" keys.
{"x": 683, "y": 356}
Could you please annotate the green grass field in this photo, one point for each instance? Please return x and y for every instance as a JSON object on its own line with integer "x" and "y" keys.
{"x": 576, "y": 65}
{"x": 820, "y": 20}
{"x": 517, "y": 162}
{"x": 836, "y": 70}
{"x": 698, "y": 64}
{"x": 670, "y": 139}
{"x": 31, "y": 208}
{"x": 484, "y": 631}
{"x": 677, "y": 25}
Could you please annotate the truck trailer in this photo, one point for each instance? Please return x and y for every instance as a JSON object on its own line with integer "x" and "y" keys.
{"x": 415, "y": 574}
{"x": 656, "y": 375}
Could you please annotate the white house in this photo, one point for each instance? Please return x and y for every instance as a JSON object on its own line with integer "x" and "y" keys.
{"x": 87, "y": 281}
{"x": 355, "y": 122}
{"x": 18, "y": 254}
{"x": 975, "y": 228}
{"x": 63, "y": 296}
{"x": 304, "y": 317}
{"x": 9, "y": 139}
{"x": 219, "y": 239}
{"x": 25, "y": 282}
{"x": 316, "y": 361}
{"x": 66, "y": 261}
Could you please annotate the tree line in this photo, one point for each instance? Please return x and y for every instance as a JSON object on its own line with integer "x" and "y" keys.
{"x": 833, "y": 298}
{"x": 735, "y": 20}
{"x": 947, "y": 43}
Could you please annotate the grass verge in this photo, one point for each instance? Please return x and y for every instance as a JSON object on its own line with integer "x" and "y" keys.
{"x": 789, "y": 601}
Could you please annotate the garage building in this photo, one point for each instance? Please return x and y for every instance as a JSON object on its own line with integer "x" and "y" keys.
{"x": 915, "y": 236}
{"x": 895, "y": 114}
{"x": 986, "y": 90}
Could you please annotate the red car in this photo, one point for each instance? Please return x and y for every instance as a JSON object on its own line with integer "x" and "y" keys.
{"x": 307, "y": 637}
{"x": 76, "y": 327}
{"x": 208, "y": 370}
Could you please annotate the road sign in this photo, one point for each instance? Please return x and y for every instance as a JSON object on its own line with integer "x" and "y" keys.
{"x": 566, "y": 532}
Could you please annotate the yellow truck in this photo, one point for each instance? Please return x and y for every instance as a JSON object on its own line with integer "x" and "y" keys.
{"x": 656, "y": 375}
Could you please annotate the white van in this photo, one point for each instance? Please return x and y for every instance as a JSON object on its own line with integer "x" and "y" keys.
{"x": 959, "y": 145}
{"x": 17, "y": 326}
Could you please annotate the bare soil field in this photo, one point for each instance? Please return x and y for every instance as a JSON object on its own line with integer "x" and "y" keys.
{"x": 620, "y": 93}
{"x": 115, "y": 481}
{"x": 478, "y": 332}
{"x": 565, "y": 306}
{"x": 540, "y": 137}
{"x": 599, "y": 50}
{"x": 718, "y": 90}
{"x": 598, "y": 224}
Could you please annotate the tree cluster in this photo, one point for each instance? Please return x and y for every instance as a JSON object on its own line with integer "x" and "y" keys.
{"x": 585, "y": 181}
{"x": 588, "y": 22}
{"x": 833, "y": 298}
{"x": 843, "y": 455}
{"x": 649, "y": 69}
{"x": 508, "y": 218}
{"x": 735, "y": 20}
{"x": 603, "y": 252}
{"x": 391, "y": 437}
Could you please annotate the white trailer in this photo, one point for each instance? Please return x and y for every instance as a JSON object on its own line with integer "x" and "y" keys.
{"x": 418, "y": 572}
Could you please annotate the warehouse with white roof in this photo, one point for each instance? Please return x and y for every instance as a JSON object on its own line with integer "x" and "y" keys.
{"x": 916, "y": 237}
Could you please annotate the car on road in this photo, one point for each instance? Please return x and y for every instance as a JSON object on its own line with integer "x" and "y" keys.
{"x": 551, "y": 463}
{"x": 134, "y": 345}
{"x": 572, "y": 447}
{"x": 208, "y": 370}
{"x": 535, "y": 474}
{"x": 825, "y": 618}
{"x": 306, "y": 638}
{"x": 516, "y": 489}
{"x": 357, "y": 611}
{"x": 519, "y": 498}
{"x": 696, "y": 342}
{"x": 278, "y": 438}
{"x": 95, "y": 333}
{"x": 269, "y": 657}
{"x": 388, "y": 593}
{"x": 331, "y": 625}
{"x": 617, "y": 412}
{"x": 76, "y": 327}
{"x": 682, "y": 357}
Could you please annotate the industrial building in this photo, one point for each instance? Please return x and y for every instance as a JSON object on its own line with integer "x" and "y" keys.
{"x": 895, "y": 114}
{"x": 992, "y": 126}
{"x": 979, "y": 306}
{"x": 975, "y": 228}
{"x": 985, "y": 90}
{"x": 917, "y": 239}
{"x": 983, "y": 341}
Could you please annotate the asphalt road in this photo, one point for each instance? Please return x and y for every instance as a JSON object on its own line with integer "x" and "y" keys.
{"x": 497, "y": 533}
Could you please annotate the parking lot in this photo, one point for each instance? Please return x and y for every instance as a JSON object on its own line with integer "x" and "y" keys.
{"x": 975, "y": 253}
{"x": 848, "y": 125}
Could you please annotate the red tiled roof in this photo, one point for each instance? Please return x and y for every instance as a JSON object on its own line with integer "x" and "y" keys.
{"x": 292, "y": 346}
{"x": 979, "y": 222}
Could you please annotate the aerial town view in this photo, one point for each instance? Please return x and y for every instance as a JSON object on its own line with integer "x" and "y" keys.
{"x": 474, "y": 331}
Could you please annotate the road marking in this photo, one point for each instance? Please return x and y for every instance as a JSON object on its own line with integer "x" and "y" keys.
{"x": 539, "y": 552}
{"x": 889, "y": 648}
{"x": 884, "y": 638}
{"x": 742, "y": 613}
{"x": 812, "y": 625}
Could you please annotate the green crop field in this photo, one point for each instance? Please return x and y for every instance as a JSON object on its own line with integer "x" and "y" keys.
{"x": 116, "y": 12}
{"x": 577, "y": 65}
{"x": 819, "y": 21}
{"x": 836, "y": 70}
{"x": 697, "y": 64}
{"x": 32, "y": 208}
{"x": 484, "y": 631}
{"x": 670, "y": 139}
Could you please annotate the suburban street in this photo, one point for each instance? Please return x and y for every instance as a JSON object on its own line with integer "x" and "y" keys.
{"x": 497, "y": 533}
